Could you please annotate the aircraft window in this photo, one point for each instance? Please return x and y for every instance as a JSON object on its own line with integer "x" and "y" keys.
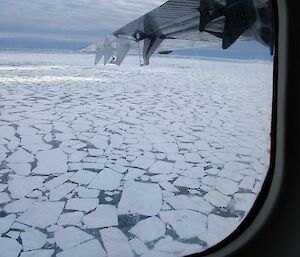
{"x": 162, "y": 151}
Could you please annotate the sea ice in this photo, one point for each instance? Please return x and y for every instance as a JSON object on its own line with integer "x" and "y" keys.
{"x": 6, "y": 222}
{"x": 51, "y": 162}
{"x": 22, "y": 169}
{"x": 70, "y": 218}
{"x": 69, "y": 237}
{"x": 115, "y": 243}
{"x": 61, "y": 191}
{"x": 186, "y": 223}
{"x": 59, "y": 180}
{"x": 107, "y": 179}
{"x": 140, "y": 198}
{"x": 104, "y": 216}
{"x": 183, "y": 202}
{"x": 166, "y": 148}
{"x": 195, "y": 172}
{"x": 243, "y": 201}
{"x": 217, "y": 199}
{"x": 142, "y": 163}
{"x": 7, "y": 132}
{"x": 22, "y": 186}
{"x": 20, "y": 156}
{"x": 9, "y": 247}
{"x": 134, "y": 174}
{"x": 149, "y": 229}
{"x": 177, "y": 248}
{"x": 90, "y": 248}
{"x": 161, "y": 167}
{"x": 187, "y": 182}
{"x": 38, "y": 253}
{"x": 4, "y": 198}
{"x": 138, "y": 246}
{"x": 247, "y": 183}
{"x": 221, "y": 226}
{"x": 33, "y": 240}
{"x": 88, "y": 193}
{"x": 42, "y": 214}
{"x": 80, "y": 204}
{"x": 168, "y": 186}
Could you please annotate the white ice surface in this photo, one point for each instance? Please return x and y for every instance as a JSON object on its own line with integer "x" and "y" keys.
{"x": 107, "y": 179}
{"x": 42, "y": 214}
{"x": 85, "y": 205}
{"x": 9, "y": 247}
{"x": 61, "y": 191}
{"x": 51, "y": 162}
{"x": 149, "y": 229}
{"x": 104, "y": 216}
{"x": 70, "y": 218}
{"x": 90, "y": 248}
{"x": 115, "y": 243}
{"x": 140, "y": 198}
{"x": 186, "y": 223}
{"x": 20, "y": 156}
{"x": 69, "y": 237}
{"x": 33, "y": 240}
{"x": 6, "y": 222}
{"x": 20, "y": 187}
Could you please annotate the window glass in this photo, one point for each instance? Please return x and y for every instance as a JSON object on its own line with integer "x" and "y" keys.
{"x": 165, "y": 159}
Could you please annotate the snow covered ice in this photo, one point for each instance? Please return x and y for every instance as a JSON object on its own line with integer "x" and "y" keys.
{"x": 164, "y": 160}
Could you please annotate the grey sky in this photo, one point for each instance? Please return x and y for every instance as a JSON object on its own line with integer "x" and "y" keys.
{"x": 63, "y": 20}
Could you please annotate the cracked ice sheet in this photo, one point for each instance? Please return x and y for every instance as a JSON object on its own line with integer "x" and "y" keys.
{"x": 133, "y": 126}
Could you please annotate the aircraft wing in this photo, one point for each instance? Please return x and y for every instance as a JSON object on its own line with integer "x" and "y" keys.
{"x": 186, "y": 23}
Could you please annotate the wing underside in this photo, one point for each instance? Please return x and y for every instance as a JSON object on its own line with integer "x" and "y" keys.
{"x": 191, "y": 23}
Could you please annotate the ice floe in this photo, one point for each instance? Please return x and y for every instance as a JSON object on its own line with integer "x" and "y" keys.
{"x": 22, "y": 169}
{"x": 70, "y": 218}
{"x": 20, "y": 187}
{"x": 183, "y": 202}
{"x": 42, "y": 214}
{"x": 90, "y": 248}
{"x": 115, "y": 243}
{"x": 4, "y": 198}
{"x": 20, "y": 156}
{"x": 104, "y": 216}
{"x": 9, "y": 247}
{"x": 107, "y": 179}
{"x": 69, "y": 237}
{"x": 33, "y": 240}
{"x": 80, "y": 204}
{"x": 140, "y": 198}
{"x": 6, "y": 222}
{"x": 149, "y": 229}
{"x": 61, "y": 191}
{"x": 186, "y": 223}
{"x": 138, "y": 246}
{"x": 51, "y": 162}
